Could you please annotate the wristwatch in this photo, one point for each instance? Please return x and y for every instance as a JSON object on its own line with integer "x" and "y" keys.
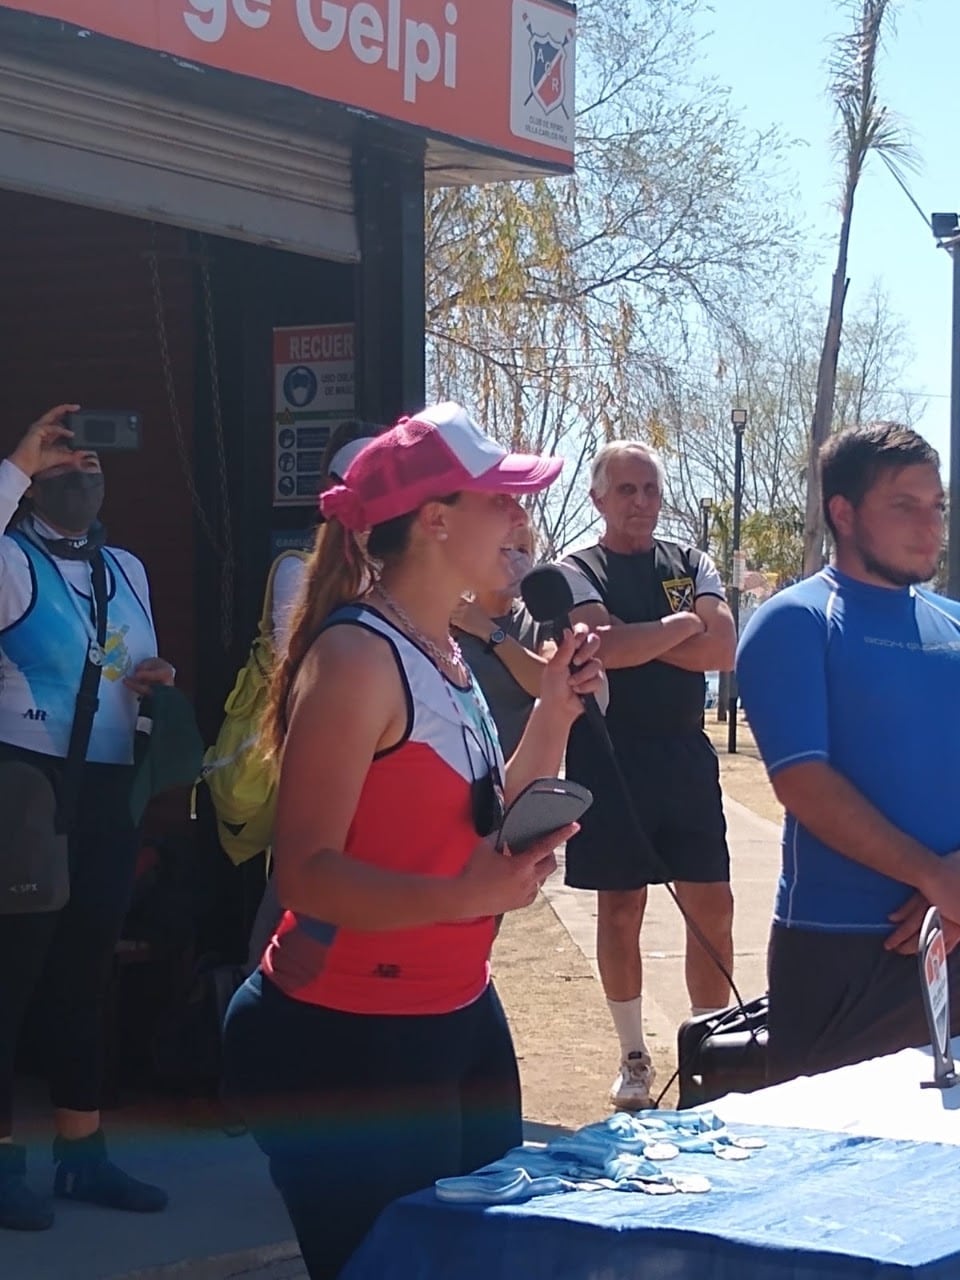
{"x": 497, "y": 636}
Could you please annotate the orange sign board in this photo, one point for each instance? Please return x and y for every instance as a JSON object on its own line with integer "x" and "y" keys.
{"x": 496, "y": 73}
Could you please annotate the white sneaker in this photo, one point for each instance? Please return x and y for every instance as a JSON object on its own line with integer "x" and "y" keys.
{"x": 632, "y": 1089}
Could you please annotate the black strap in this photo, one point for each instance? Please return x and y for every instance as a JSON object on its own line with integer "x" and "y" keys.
{"x": 73, "y": 548}
{"x": 87, "y": 701}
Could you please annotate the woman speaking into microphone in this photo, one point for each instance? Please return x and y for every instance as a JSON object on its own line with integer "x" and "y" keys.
{"x": 369, "y": 1052}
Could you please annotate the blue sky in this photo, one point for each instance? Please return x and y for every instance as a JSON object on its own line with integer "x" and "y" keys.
{"x": 773, "y": 55}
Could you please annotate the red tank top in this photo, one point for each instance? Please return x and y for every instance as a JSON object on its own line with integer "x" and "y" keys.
{"x": 414, "y": 815}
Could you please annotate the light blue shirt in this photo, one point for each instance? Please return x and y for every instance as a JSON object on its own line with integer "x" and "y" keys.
{"x": 43, "y": 654}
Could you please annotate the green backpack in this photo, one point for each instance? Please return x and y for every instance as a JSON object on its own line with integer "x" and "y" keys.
{"x": 241, "y": 782}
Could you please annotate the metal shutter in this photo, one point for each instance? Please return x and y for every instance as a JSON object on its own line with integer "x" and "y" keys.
{"x": 82, "y": 140}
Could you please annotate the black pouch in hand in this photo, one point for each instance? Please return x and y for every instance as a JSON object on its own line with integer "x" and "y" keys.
{"x": 34, "y": 818}
{"x": 34, "y": 868}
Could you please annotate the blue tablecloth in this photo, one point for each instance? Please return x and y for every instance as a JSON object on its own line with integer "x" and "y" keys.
{"x": 810, "y": 1206}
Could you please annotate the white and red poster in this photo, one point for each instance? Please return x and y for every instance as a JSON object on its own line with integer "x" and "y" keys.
{"x": 313, "y": 368}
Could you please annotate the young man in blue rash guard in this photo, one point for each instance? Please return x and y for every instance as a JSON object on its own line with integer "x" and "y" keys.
{"x": 851, "y": 681}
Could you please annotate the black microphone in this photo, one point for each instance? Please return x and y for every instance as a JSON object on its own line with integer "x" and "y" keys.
{"x": 546, "y": 593}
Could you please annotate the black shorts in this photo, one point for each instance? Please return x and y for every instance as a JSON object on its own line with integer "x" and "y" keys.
{"x": 675, "y": 784}
{"x": 840, "y": 998}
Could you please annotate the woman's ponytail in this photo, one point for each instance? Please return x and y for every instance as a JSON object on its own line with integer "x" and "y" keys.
{"x": 336, "y": 571}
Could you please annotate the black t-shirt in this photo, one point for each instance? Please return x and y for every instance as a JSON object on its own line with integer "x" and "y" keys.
{"x": 653, "y": 698}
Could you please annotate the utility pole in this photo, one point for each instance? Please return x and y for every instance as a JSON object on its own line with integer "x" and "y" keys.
{"x": 738, "y": 419}
{"x": 946, "y": 228}
{"x": 706, "y": 507}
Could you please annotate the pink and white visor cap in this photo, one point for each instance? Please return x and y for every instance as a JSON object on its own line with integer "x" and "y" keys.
{"x": 438, "y": 452}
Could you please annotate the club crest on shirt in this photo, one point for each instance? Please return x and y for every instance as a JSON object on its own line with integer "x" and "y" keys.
{"x": 679, "y": 593}
{"x": 117, "y": 660}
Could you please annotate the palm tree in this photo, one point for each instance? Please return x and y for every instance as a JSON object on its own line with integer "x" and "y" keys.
{"x": 864, "y": 126}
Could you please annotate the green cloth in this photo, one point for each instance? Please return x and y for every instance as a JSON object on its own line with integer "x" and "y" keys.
{"x": 167, "y": 747}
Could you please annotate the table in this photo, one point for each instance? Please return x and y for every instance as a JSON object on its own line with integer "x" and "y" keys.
{"x": 880, "y": 1099}
{"x": 827, "y": 1200}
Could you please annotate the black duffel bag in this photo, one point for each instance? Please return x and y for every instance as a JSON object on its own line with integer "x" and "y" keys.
{"x": 724, "y": 1052}
{"x": 38, "y": 801}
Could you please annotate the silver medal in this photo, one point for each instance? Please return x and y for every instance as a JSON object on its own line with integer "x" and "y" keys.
{"x": 692, "y": 1184}
{"x": 724, "y": 1151}
{"x": 661, "y": 1151}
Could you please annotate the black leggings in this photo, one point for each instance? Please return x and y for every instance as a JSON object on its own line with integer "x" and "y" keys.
{"x": 61, "y": 960}
{"x": 356, "y": 1110}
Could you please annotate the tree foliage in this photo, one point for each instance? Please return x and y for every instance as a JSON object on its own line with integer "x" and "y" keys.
{"x": 649, "y": 293}
{"x": 561, "y": 308}
{"x": 773, "y": 374}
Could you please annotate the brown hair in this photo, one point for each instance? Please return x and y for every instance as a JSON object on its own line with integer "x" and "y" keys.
{"x": 336, "y": 571}
{"x": 852, "y": 461}
{"x": 538, "y": 540}
{"x": 339, "y": 569}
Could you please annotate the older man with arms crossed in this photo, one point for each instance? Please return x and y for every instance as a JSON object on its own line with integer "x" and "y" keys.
{"x": 659, "y": 607}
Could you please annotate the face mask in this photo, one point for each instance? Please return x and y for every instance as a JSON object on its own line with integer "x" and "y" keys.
{"x": 71, "y": 501}
{"x": 521, "y": 562}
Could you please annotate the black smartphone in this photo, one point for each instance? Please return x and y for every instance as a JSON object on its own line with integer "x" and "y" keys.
{"x": 104, "y": 429}
{"x": 546, "y": 805}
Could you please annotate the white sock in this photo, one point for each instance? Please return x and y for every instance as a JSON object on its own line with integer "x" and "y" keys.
{"x": 701, "y": 1010}
{"x": 628, "y": 1020}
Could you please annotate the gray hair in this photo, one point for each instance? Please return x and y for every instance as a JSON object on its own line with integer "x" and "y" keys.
{"x": 600, "y": 469}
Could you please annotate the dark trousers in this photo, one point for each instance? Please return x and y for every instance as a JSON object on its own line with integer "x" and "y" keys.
{"x": 354, "y": 1111}
{"x": 61, "y": 960}
{"x": 840, "y": 998}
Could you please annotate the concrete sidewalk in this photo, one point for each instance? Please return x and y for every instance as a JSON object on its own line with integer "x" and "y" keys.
{"x": 755, "y": 863}
{"x": 221, "y": 1200}
{"x": 226, "y": 1222}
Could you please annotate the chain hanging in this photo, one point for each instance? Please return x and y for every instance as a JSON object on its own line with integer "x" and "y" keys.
{"x": 222, "y": 542}
{"x": 220, "y": 444}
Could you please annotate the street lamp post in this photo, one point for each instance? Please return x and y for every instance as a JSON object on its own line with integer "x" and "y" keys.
{"x": 706, "y": 507}
{"x": 946, "y": 228}
{"x": 738, "y": 419}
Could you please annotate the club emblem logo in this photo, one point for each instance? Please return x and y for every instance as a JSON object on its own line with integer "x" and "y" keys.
{"x": 548, "y": 70}
{"x": 679, "y": 593}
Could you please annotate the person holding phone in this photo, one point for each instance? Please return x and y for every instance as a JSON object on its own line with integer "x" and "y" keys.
{"x": 369, "y": 1052}
{"x": 60, "y": 960}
